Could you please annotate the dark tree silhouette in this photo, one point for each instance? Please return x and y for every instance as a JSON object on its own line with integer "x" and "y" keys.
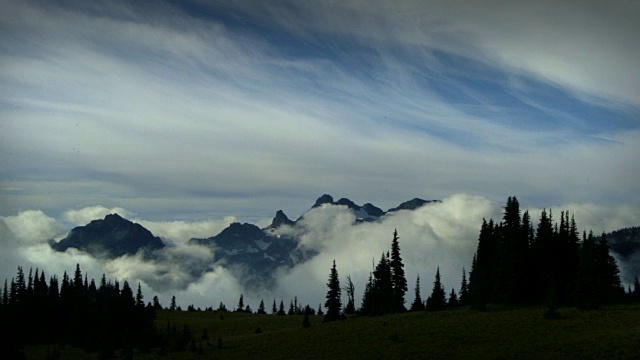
{"x": 453, "y": 302}
{"x": 398, "y": 279}
{"x": 438, "y": 299}
{"x": 333, "y": 304}
{"x": 240, "y": 307}
{"x": 281, "y": 309}
{"x": 350, "y": 309}
{"x": 418, "y": 304}
{"x": 464, "y": 290}
{"x": 261, "y": 309}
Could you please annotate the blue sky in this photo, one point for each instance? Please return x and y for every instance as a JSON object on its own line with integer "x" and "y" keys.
{"x": 193, "y": 110}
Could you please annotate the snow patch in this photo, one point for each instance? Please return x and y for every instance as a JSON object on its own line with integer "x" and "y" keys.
{"x": 119, "y": 235}
{"x": 263, "y": 245}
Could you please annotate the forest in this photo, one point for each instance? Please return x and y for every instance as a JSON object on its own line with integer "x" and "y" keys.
{"x": 517, "y": 264}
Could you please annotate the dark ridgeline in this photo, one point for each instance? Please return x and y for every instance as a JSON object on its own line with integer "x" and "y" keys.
{"x": 98, "y": 318}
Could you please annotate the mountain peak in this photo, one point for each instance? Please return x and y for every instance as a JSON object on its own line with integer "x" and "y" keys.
{"x": 280, "y": 219}
{"x": 348, "y": 203}
{"x": 324, "y": 199}
{"x": 411, "y": 204}
{"x": 110, "y": 237}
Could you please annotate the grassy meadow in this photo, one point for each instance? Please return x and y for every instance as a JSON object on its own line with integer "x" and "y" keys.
{"x": 609, "y": 333}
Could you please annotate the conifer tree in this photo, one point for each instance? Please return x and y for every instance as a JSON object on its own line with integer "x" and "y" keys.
{"x": 139, "y": 296}
{"x": 333, "y": 304}
{"x": 292, "y": 310}
{"x": 240, "y": 307}
{"x": 418, "y": 304}
{"x": 586, "y": 290}
{"x": 464, "y": 290}
{"x": 398, "y": 279}
{"x": 172, "y": 306}
{"x": 438, "y": 300}
{"x": 261, "y": 309}
{"x": 281, "y": 309}
{"x": 366, "y": 307}
{"x": 483, "y": 267}
{"x": 453, "y": 302}
{"x": 274, "y": 309}
{"x": 382, "y": 292}
{"x": 608, "y": 281}
{"x": 126, "y": 295}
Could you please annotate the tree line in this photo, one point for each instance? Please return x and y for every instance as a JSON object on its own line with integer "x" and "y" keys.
{"x": 100, "y": 318}
{"x": 514, "y": 264}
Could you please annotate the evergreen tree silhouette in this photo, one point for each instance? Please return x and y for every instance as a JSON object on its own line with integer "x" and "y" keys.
{"x": 398, "y": 279}
{"x": 261, "y": 309}
{"x": 139, "y": 297}
{"x": 418, "y": 304}
{"x": 333, "y": 304}
{"x": 437, "y": 301}
{"x": 240, "y": 307}
{"x": 463, "y": 297}
{"x": 453, "y": 302}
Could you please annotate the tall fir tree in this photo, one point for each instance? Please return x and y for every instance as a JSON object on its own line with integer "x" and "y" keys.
{"x": 452, "y": 301}
{"x": 333, "y": 304}
{"x": 398, "y": 279}
{"x": 586, "y": 297}
{"x": 484, "y": 267}
{"x": 366, "y": 306}
{"x": 608, "y": 280}
{"x": 464, "y": 289}
{"x": 438, "y": 299}
{"x": 382, "y": 290}
{"x": 240, "y": 307}
{"x": 418, "y": 304}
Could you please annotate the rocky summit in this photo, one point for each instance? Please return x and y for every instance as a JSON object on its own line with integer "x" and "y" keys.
{"x": 110, "y": 237}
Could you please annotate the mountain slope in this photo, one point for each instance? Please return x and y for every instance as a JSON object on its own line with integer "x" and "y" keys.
{"x": 110, "y": 237}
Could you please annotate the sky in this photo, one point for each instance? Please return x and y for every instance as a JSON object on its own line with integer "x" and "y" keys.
{"x": 188, "y": 115}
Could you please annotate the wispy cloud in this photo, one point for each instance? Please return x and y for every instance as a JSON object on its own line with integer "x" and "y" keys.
{"x": 199, "y": 110}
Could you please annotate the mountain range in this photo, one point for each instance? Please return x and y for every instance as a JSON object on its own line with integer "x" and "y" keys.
{"x": 252, "y": 251}
{"x": 255, "y": 252}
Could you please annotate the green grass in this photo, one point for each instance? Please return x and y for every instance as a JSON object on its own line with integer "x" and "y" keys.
{"x": 610, "y": 333}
